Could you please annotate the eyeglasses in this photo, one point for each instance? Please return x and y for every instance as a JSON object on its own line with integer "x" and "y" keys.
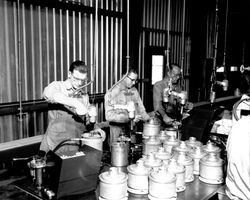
{"x": 176, "y": 75}
{"x": 78, "y": 79}
{"x": 133, "y": 80}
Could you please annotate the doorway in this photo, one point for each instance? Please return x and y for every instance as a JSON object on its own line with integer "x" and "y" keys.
{"x": 155, "y": 62}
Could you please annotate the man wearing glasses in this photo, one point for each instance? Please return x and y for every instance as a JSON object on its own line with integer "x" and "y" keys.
{"x": 169, "y": 111}
{"x": 68, "y": 112}
{"x": 118, "y": 101}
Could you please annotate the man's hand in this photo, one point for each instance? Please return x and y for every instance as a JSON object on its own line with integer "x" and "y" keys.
{"x": 137, "y": 118}
{"x": 167, "y": 120}
{"x": 185, "y": 115}
{"x": 80, "y": 108}
{"x": 189, "y": 106}
{"x": 101, "y": 132}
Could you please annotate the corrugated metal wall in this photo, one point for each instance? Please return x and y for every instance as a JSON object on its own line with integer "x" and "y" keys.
{"x": 39, "y": 40}
{"x": 163, "y": 18}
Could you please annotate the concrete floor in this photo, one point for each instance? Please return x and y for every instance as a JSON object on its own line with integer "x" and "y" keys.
{"x": 7, "y": 190}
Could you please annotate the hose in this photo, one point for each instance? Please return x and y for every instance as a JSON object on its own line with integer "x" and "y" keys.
{"x": 235, "y": 106}
{"x": 62, "y": 143}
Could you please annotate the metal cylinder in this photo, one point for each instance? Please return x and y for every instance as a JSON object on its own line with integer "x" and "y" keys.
{"x": 188, "y": 163}
{"x": 197, "y": 154}
{"x": 162, "y": 185}
{"x": 152, "y": 161}
{"x": 211, "y": 169}
{"x": 151, "y": 128}
{"x": 210, "y": 147}
{"x": 138, "y": 178}
{"x": 93, "y": 139}
{"x": 162, "y": 154}
{"x": 39, "y": 166}
{"x": 113, "y": 184}
{"x": 150, "y": 145}
{"x": 179, "y": 171}
{"x": 181, "y": 147}
{"x": 171, "y": 132}
{"x": 119, "y": 154}
{"x": 170, "y": 143}
{"x": 193, "y": 143}
{"x": 163, "y": 136}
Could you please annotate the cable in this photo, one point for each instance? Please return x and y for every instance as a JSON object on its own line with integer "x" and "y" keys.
{"x": 64, "y": 143}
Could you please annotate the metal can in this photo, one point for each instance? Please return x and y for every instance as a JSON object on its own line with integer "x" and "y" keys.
{"x": 113, "y": 180}
{"x": 150, "y": 145}
{"x": 179, "y": 171}
{"x": 119, "y": 154}
{"x": 185, "y": 160}
{"x": 162, "y": 184}
{"x": 211, "y": 169}
{"x": 138, "y": 178}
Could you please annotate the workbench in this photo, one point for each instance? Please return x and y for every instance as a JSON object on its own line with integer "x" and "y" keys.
{"x": 195, "y": 190}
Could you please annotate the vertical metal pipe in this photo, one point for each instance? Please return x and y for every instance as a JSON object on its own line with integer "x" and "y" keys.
{"x": 215, "y": 36}
{"x": 54, "y": 43}
{"x": 127, "y": 57}
{"x": 213, "y": 74}
{"x": 111, "y": 47}
{"x": 61, "y": 41}
{"x": 116, "y": 49}
{"x": 73, "y": 35}
{"x": 183, "y": 42}
{"x": 225, "y": 37}
{"x": 102, "y": 46}
{"x": 91, "y": 49}
{"x": 47, "y": 45}
{"x": 168, "y": 35}
{"x": 95, "y": 73}
{"x": 80, "y": 34}
{"x": 24, "y": 53}
{"x": 107, "y": 50}
{"x": 19, "y": 71}
{"x": 67, "y": 39}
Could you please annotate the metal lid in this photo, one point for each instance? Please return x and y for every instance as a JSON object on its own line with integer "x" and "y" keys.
{"x": 119, "y": 144}
{"x": 162, "y": 154}
{"x": 175, "y": 167}
{"x": 163, "y": 135}
{"x": 114, "y": 175}
{"x": 152, "y": 161}
{"x": 152, "y": 121}
{"x": 182, "y": 147}
{"x": 91, "y": 135}
{"x": 172, "y": 141}
{"x": 197, "y": 152}
{"x": 212, "y": 159}
{"x": 184, "y": 159}
{"x": 123, "y": 138}
{"x": 211, "y": 147}
{"x": 39, "y": 163}
{"x": 162, "y": 175}
{"x": 171, "y": 131}
{"x": 139, "y": 168}
{"x": 192, "y": 142}
{"x": 152, "y": 140}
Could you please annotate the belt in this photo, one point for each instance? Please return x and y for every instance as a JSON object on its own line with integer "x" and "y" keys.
{"x": 118, "y": 123}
